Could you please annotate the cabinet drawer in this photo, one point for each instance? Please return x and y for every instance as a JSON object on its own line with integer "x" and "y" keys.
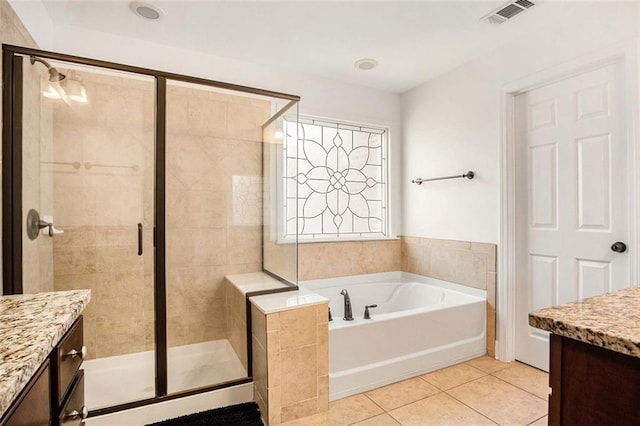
{"x": 73, "y": 412}
{"x": 69, "y": 354}
{"x": 33, "y": 406}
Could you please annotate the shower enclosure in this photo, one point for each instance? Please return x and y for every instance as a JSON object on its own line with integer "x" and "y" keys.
{"x": 156, "y": 186}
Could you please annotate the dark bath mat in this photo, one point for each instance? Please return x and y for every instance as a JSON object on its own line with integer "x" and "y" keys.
{"x": 246, "y": 414}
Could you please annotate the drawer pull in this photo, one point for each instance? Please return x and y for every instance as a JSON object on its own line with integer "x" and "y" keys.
{"x": 83, "y": 413}
{"x": 82, "y": 353}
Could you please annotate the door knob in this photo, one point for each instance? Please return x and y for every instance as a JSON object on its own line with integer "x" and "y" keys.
{"x": 619, "y": 247}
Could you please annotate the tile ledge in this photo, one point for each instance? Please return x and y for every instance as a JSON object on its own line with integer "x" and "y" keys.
{"x": 284, "y": 301}
{"x": 254, "y": 281}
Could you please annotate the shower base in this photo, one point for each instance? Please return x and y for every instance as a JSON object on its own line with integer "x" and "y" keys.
{"x": 125, "y": 378}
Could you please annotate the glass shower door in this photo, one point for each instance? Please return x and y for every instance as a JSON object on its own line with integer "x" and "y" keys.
{"x": 215, "y": 188}
{"x": 88, "y": 168}
{"x": 212, "y": 152}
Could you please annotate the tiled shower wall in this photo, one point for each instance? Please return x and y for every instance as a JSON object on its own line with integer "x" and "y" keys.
{"x": 463, "y": 262}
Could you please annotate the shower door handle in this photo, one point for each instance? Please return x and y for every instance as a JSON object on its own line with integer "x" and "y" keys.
{"x": 139, "y": 239}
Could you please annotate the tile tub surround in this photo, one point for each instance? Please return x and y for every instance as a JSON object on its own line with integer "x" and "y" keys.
{"x": 30, "y": 326}
{"x": 339, "y": 259}
{"x": 420, "y": 324}
{"x": 610, "y": 321}
{"x": 462, "y": 262}
{"x": 290, "y": 335}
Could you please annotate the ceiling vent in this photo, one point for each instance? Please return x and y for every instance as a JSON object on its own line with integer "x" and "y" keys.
{"x": 508, "y": 11}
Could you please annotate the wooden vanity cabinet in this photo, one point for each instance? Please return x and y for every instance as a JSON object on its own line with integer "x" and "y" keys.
{"x": 55, "y": 394}
{"x": 68, "y": 389}
{"x": 591, "y": 385}
{"x": 32, "y": 407}
{"x": 73, "y": 411}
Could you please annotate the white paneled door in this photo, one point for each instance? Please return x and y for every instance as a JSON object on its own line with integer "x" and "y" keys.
{"x": 571, "y": 198}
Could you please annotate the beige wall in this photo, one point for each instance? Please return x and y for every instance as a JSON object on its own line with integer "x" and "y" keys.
{"x": 12, "y": 31}
{"x": 214, "y": 205}
{"x": 37, "y": 119}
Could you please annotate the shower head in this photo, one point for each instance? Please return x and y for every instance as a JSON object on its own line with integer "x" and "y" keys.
{"x": 54, "y": 75}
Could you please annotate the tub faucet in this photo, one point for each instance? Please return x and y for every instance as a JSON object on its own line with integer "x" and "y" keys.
{"x": 367, "y": 315}
{"x": 348, "y": 315}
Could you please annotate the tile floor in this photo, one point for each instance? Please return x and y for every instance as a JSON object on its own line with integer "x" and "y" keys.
{"x": 481, "y": 391}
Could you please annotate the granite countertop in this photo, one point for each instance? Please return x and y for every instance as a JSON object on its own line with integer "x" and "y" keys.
{"x": 611, "y": 321}
{"x": 31, "y": 325}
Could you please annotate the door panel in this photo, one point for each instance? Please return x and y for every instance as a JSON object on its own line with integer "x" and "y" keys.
{"x": 594, "y": 277}
{"x": 88, "y": 168}
{"x": 594, "y": 183}
{"x": 544, "y": 279}
{"x": 571, "y": 198}
{"x": 544, "y": 185}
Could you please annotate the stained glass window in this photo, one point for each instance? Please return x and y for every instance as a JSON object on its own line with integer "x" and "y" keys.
{"x": 341, "y": 179}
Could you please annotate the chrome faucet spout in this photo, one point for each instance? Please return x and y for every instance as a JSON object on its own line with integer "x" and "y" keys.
{"x": 348, "y": 314}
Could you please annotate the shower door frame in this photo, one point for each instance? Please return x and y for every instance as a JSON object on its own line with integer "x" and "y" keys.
{"x": 12, "y": 197}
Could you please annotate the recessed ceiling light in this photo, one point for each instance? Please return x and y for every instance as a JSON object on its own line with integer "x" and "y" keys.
{"x": 145, "y": 10}
{"x": 366, "y": 64}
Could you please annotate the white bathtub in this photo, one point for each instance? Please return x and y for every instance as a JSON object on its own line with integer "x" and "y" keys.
{"x": 420, "y": 325}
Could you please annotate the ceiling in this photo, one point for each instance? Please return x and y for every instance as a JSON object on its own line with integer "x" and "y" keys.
{"x": 413, "y": 41}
